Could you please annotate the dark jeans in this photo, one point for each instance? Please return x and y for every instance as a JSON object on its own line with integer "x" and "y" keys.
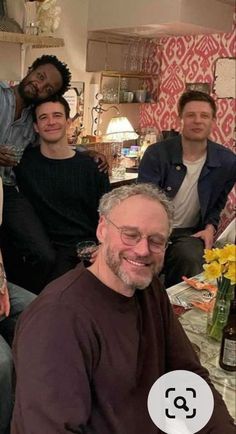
{"x": 19, "y": 299}
{"x": 30, "y": 258}
{"x": 184, "y": 257}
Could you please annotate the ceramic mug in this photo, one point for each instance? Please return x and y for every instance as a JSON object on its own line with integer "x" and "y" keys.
{"x": 128, "y": 96}
{"x": 140, "y": 95}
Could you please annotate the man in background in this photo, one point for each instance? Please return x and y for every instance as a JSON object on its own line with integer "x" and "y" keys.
{"x": 63, "y": 186}
{"x": 197, "y": 174}
{"x": 107, "y": 333}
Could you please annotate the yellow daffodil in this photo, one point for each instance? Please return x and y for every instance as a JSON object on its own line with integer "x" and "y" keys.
{"x": 220, "y": 266}
{"x": 211, "y": 255}
{"x": 227, "y": 254}
{"x": 220, "y": 263}
{"x": 212, "y": 270}
{"x": 231, "y": 273}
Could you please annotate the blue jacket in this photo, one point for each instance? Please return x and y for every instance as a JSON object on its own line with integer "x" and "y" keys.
{"x": 163, "y": 166}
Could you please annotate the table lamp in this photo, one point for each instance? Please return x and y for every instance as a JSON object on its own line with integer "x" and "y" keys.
{"x": 119, "y": 129}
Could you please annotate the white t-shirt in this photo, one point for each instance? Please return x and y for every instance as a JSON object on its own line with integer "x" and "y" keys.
{"x": 186, "y": 202}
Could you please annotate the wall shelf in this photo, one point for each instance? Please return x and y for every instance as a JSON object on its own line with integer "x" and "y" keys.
{"x": 36, "y": 41}
{"x": 127, "y": 74}
{"x": 113, "y": 85}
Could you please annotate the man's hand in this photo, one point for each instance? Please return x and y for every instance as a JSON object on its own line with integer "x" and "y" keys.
{"x": 7, "y": 156}
{"x": 4, "y": 300}
{"x": 207, "y": 235}
{"x": 100, "y": 159}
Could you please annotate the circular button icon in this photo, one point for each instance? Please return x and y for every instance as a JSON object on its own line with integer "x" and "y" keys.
{"x": 180, "y": 402}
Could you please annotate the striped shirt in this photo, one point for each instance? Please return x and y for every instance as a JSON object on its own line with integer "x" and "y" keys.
{"x": 17, "y": 133}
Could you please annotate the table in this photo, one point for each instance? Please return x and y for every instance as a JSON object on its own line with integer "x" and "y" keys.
{"x": 194, "y": 323}
{"x": 129, "y": 178}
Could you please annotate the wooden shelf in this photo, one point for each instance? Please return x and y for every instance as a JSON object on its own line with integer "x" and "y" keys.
{"x": 128, "y": 74}
{"x": 36, "y": 41}
{"x": 112, "y": 80}
{"x": 127, "y": 103}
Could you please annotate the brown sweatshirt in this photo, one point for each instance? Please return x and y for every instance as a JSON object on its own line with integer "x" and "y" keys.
{"x": 86, "y": 358}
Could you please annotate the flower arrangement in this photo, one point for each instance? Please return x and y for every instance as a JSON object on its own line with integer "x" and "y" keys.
{"x": 221, "y": 266}
{"x": 48, "y": 16}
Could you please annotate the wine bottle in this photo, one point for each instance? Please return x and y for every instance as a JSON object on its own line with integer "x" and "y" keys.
{"x": 227, "y": 359}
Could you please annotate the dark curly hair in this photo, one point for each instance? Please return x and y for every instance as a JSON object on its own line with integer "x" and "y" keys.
{"x": 60, "y": 66}
{"x": 195, "y": 95}
{"x": 52, "y": 98}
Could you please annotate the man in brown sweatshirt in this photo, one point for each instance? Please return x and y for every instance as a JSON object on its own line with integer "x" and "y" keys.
{"x": 89, "y": 349}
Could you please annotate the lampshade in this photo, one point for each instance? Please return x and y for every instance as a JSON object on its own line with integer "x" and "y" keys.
{"x": 119, "y": 129}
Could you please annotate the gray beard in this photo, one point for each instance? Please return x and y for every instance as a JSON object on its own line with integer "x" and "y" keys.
{"x": 114, "y": 265}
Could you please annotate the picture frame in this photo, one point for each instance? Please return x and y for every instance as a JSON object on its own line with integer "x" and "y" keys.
{"x": 224, "y": 77}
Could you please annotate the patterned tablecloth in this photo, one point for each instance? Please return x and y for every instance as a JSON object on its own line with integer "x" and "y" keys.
{"x": 194, "y": 322}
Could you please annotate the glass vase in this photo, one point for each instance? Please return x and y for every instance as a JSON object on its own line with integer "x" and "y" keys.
{"x": 219, "y": 309}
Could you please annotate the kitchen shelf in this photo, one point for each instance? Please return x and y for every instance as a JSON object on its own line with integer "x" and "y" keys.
{"x": 126, "y": 103}
{"x": 112, "y": 86}
{"x": 37, "y": 41}
{"x": 127, "y": 74}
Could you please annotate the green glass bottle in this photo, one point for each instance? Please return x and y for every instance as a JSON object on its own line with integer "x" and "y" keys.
{"x": 227, "y": 359}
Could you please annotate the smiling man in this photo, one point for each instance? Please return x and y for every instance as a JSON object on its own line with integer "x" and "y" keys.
{"x": 128, "y": 260}
{"x": 107, "y": 332}
{"x": 63, "y": 186}
{"x": 25, "y": 257}
{"x": 46, "y": 76}
{"x": 197, "y": 174}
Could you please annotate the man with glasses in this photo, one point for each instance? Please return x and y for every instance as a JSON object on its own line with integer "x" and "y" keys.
{"x": 106, "y": 332}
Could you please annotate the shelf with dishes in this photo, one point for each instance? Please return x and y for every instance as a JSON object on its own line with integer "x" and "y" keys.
{"x": 126, "y": 88}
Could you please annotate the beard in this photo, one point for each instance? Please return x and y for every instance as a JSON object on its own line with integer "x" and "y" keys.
{"x": 140, "y": 281}
{"x": 28, "y": 98}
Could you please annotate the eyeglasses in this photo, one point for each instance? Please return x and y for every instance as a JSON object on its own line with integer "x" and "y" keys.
{"x": 131, "y": 237}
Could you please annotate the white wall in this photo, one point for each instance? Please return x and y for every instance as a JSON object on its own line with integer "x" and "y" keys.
{"x": 73, "y": 28}
{"x": 112, "y": 14}
{"x": 108, "y": 14}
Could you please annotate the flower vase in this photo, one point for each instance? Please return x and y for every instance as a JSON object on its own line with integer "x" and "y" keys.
{"x": 219, "y": 309}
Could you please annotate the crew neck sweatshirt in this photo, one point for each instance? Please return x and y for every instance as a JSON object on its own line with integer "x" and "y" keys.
{"x": 87, "y": 356}
{"x": 64, "y": 192}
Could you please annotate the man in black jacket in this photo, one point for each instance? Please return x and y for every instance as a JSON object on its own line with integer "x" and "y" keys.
{"x": 197, "y": 174}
